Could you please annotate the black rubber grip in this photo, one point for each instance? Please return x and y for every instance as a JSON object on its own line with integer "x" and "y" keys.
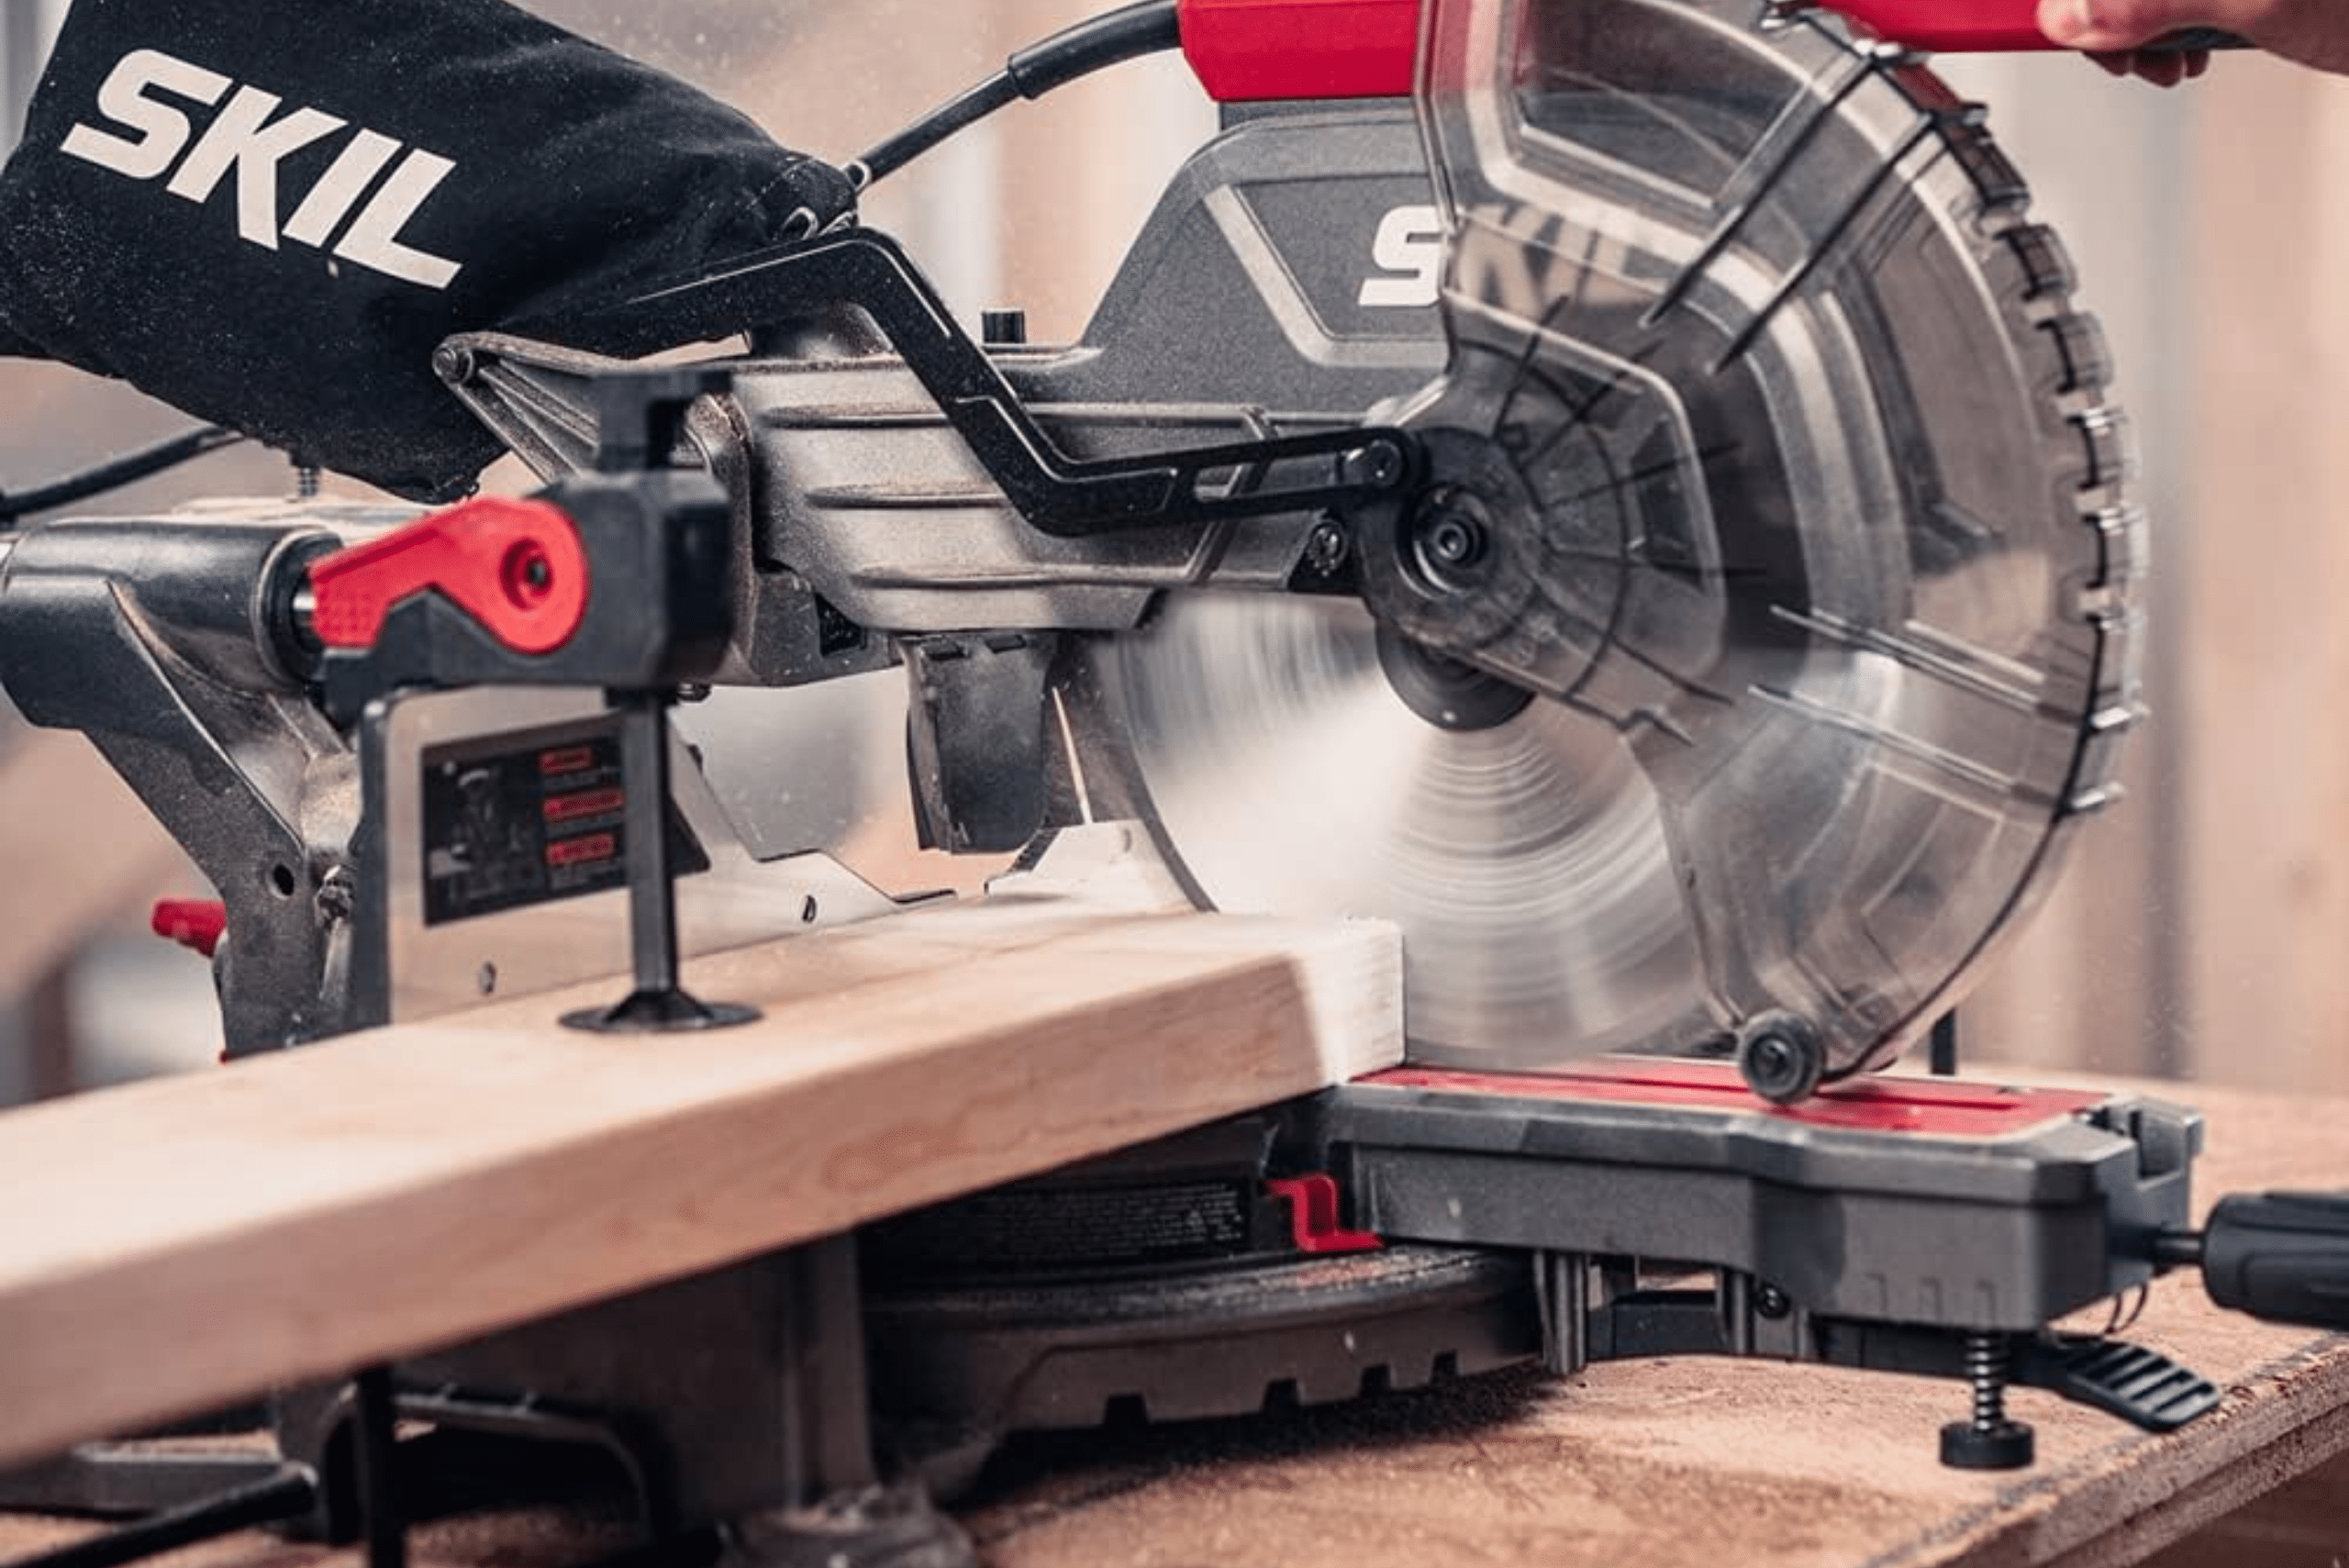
{"x": 2281, "y": 1256}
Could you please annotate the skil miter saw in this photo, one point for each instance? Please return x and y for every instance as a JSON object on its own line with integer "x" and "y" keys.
{"x": 1646, "y": 523}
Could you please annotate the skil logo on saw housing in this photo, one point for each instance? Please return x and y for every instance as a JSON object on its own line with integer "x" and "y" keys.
{"x": 244, "y": 138}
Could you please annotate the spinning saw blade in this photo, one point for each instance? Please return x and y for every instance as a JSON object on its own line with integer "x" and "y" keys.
{"x": 1764, "y": 622}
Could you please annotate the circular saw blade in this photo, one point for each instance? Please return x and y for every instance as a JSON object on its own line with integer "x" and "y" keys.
{"x": 1526, "y": 862}
{"x": 1804, "y": 515}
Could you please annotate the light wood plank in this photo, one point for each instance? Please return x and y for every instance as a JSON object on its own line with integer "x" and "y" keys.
{"x": 184, "y": 1243}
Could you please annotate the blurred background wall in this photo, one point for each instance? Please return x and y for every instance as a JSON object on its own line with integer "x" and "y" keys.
{"x": 2202, "y": 928}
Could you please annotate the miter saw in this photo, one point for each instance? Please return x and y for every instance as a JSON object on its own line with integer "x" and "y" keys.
{"x": 1646, "y": 522}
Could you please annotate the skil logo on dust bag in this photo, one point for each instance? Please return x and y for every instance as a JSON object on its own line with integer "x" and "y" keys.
{"x": 243, "y": 136}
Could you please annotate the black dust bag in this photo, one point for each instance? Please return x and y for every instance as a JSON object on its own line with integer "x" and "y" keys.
{"x": 269, "y": 214}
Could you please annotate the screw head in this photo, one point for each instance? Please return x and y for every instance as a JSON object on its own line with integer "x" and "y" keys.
{"x": 1378, "y": 465}
{"x": 1781, "y": 1058}
{"x": 1325, "y": 548}
{"x": 452, "y": 364}
{"x": 338, "y": 896}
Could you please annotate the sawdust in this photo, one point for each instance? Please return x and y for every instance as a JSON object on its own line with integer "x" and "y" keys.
{"x": 1495, "y": 1471}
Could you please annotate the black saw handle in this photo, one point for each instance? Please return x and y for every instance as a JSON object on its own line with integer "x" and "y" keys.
{"x": 2280, "y": 1256}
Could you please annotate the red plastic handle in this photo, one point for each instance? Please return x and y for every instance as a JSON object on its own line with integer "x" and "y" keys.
{"x": 1249, "y": 50}
{"x": 516, "y": 567}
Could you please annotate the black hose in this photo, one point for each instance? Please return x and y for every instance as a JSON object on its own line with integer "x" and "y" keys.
{"x": 1113, "y": 37}
{"x": 289, "y": 1492}
{"x": 117, "y": 472}
{"x": 1148, "y": 27}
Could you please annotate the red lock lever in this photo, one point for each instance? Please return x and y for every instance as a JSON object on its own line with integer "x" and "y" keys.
{"x": 516, "y": 567}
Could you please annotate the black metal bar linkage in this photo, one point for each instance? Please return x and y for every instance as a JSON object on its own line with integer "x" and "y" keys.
{"x": 1057, "y": 494}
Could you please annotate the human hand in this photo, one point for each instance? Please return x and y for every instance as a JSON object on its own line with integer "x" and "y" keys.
{"x": 2313, "y": 33}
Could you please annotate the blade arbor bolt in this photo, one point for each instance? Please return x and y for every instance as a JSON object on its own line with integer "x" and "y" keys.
{"x": 1447, "y": 535}
{"x": 1453, "y": 540}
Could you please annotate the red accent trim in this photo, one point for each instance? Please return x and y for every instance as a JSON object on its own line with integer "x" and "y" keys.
{"x": 1313, "y": 1221}
{"x": 1957, "y": 27}
{"x": 1247, "y": 51}
{"x": 1948, "y": 1108}
{"x": 195, "y": 923}
{"x": 516, "y": 567}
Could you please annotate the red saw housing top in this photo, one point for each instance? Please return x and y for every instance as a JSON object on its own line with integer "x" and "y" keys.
{"x": 1943, "y": 1108}
{"x": 1253, "y": 51}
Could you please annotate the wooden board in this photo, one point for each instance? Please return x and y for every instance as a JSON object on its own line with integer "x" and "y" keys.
{"x": 1667, "y": 1464}
{"x": 185, "y": 1243}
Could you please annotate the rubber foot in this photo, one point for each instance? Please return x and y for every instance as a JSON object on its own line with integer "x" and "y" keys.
{"x": 2007, "y": 1445}
{"x": 659, "y": 1012}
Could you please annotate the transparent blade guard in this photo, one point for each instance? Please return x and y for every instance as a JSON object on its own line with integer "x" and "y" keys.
{"x": 1820, "y": 546}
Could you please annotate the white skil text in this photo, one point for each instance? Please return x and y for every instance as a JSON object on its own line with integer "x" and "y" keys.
{"x": 249, "y": 136}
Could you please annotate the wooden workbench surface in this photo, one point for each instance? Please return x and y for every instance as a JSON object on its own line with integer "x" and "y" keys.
{"x": 1656, "y": 1463}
